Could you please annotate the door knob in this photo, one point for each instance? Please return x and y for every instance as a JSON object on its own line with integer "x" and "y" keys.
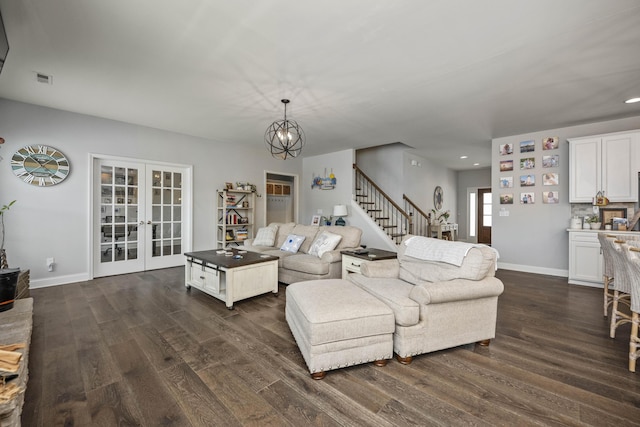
{"x": 149, "y": 222}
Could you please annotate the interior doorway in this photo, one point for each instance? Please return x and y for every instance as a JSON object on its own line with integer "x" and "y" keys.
{"x": 484, "y": 215}
{"x": 281, "y": 197}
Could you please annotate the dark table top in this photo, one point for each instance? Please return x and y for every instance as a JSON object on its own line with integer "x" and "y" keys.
{"x": 224, "y": 261}
{"x": 372, "y": 254}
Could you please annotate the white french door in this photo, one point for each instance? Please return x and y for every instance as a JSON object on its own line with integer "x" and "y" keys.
{"x": 141, "y": 212}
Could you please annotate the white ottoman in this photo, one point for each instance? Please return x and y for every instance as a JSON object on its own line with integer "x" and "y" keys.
{"x": 336, "y": 324}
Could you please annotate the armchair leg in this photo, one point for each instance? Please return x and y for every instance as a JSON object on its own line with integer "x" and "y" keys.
{"x": 484, "y": 343}
{"x": 404, "y": 360}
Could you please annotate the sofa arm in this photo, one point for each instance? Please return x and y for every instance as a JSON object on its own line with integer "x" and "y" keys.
{"x": 456, "y": 290}
{"x": 247, "y": 242}
{"x": 332, "y": 256}
{"x": 385, "y": 268}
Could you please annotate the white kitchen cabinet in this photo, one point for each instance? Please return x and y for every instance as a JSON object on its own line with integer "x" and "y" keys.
{"x": 606, "y": 163}
{"x": 585, "y": 258}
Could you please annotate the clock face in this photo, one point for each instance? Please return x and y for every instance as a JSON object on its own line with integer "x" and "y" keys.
{"x": 40, "y": 165}
{"x": 438, "y": 197}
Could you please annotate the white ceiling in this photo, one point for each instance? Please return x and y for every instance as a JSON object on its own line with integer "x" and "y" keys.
{"x": 443, "y": 76}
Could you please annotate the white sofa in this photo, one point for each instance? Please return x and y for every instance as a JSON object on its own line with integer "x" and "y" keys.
{"x": 436, "y": 305}
{"x": 300, "y": 266}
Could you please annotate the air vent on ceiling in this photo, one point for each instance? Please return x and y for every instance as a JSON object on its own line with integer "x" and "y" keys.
{"x": 44, "y": 78}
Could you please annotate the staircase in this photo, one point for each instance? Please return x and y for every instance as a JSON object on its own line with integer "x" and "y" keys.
{"x": 419, "y": 220}
{"x": 390, "y": 217}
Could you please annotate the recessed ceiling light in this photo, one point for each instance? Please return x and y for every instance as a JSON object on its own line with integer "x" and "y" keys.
{"x": 463, "y": 157}
{"x": 632, "y": 100}
{"x": 476, "y": 164}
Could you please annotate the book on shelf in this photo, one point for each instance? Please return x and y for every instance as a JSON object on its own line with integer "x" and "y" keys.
{"x": 242, "y": 234}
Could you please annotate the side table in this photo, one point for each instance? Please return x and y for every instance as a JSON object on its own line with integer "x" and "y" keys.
{"x": 15, "y": 327}
{"x": 351, "y": 260}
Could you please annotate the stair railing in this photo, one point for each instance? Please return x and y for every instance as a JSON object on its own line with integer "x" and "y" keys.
{"x": 395, "y": 222}
{"x": 419, "y": 219}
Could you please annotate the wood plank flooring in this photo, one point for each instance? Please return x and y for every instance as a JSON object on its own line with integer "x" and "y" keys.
{"x": 140, "y": 349}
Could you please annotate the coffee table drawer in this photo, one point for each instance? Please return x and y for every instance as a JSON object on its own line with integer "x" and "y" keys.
{"x": 206, "y": 278}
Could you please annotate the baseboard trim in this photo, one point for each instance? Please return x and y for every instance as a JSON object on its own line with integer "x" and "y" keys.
{"x": 534, "y": 269}
{"x": 59, "y": 280}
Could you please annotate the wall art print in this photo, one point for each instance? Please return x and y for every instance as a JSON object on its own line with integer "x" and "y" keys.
{"x": 327, "y": 183}
{"x": 506, "y": 149}
{"x": 506, "y": 199}
{"x": 550, "y": 143}
{"x": 552, "y": 161}
{"x": 506, "y": 165}
{"x": 527, "y": 180}
{"x": 527, "y": 198}
{"x": 527, "y": 146}
{"x": 550, "y": 197}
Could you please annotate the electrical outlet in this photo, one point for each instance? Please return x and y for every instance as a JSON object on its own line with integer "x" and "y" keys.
{"x": 319, "y": 212}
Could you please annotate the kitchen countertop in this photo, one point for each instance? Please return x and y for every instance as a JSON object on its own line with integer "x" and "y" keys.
{"x": 587, "y": 230}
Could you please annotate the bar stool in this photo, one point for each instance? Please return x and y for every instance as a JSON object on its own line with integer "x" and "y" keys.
{"x": 608, "y": 271}
{"x": 621, "y": 286}
{"x": 633, "y": 265}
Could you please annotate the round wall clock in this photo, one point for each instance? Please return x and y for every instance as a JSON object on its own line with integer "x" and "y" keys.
{"x": 40, "y": 165}
{"x": 438, "y": 197}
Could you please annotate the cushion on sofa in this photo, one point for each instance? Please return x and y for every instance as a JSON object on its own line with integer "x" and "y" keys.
{"x": 395, "y": 294}
{"x": 324, "y": 242}
{"x": 292, "y": 243}
{"x": 350, "y": 235}
{"x": 309, "y": 232}
{"x": 284, "y": 229}
{"x": 305, "y": 263}
{"x": 266, "y": 236}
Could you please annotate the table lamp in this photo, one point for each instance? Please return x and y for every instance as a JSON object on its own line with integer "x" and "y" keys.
{"x": 339, "y": 211}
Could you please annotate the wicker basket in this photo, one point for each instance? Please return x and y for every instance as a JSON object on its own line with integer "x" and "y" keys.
{"x": 22, "y": 291}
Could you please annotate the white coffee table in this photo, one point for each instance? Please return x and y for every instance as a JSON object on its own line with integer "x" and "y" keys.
{"x": 229, "y": 278}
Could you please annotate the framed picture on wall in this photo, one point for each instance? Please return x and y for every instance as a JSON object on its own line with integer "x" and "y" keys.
{"x": 550, "y": 161}
{"x": 506, "y": 199}
{"x": 506, "y": 149}
{"x": 607, "y": 214}
{"x": 506, "y": 165}
{"x": 550, "y": 197}
{"x": 528, "y": 163}
{"x": 527, "y": 146}
{"x": 550, "y": 143}
{"x": 527, "y": 180}
{"x": 527, "y": 198}
{"x": 506, "y": 182}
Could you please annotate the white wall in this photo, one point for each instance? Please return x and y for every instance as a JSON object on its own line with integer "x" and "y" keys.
{"x": 312, "y": 199}
{"x": 533, "y": 237}
{"x": 53, "y": 221}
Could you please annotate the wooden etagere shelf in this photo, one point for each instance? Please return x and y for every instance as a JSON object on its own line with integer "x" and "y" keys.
{"x": 236, "y": 217}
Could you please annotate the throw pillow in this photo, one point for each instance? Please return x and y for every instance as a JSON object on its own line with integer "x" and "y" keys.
{"x": 266, "y": 236}
{"x": 292, "y": 244}
{"x": 325, "y": 242}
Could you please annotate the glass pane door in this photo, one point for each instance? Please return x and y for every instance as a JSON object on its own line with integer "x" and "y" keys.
{"x": 118, "y": 236}
{"x": 166, "y": 202}
{"x": 139, "y": 216}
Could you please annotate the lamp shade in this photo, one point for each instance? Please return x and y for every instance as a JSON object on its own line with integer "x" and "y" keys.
{"x": 340, "y": 210}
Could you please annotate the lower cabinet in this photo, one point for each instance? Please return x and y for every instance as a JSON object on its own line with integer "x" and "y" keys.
{"x": 585, "y": 259}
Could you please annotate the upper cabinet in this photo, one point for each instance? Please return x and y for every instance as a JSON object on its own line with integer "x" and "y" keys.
{"x": 607, "y": 163}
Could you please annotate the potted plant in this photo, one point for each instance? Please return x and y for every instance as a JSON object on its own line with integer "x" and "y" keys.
{"x": 440, "y": 217}
{"x": 3, "y": 254}
{"x": 594, "y": 222}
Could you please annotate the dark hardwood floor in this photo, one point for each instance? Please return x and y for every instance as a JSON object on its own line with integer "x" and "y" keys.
{"x": 139, "y": 349}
